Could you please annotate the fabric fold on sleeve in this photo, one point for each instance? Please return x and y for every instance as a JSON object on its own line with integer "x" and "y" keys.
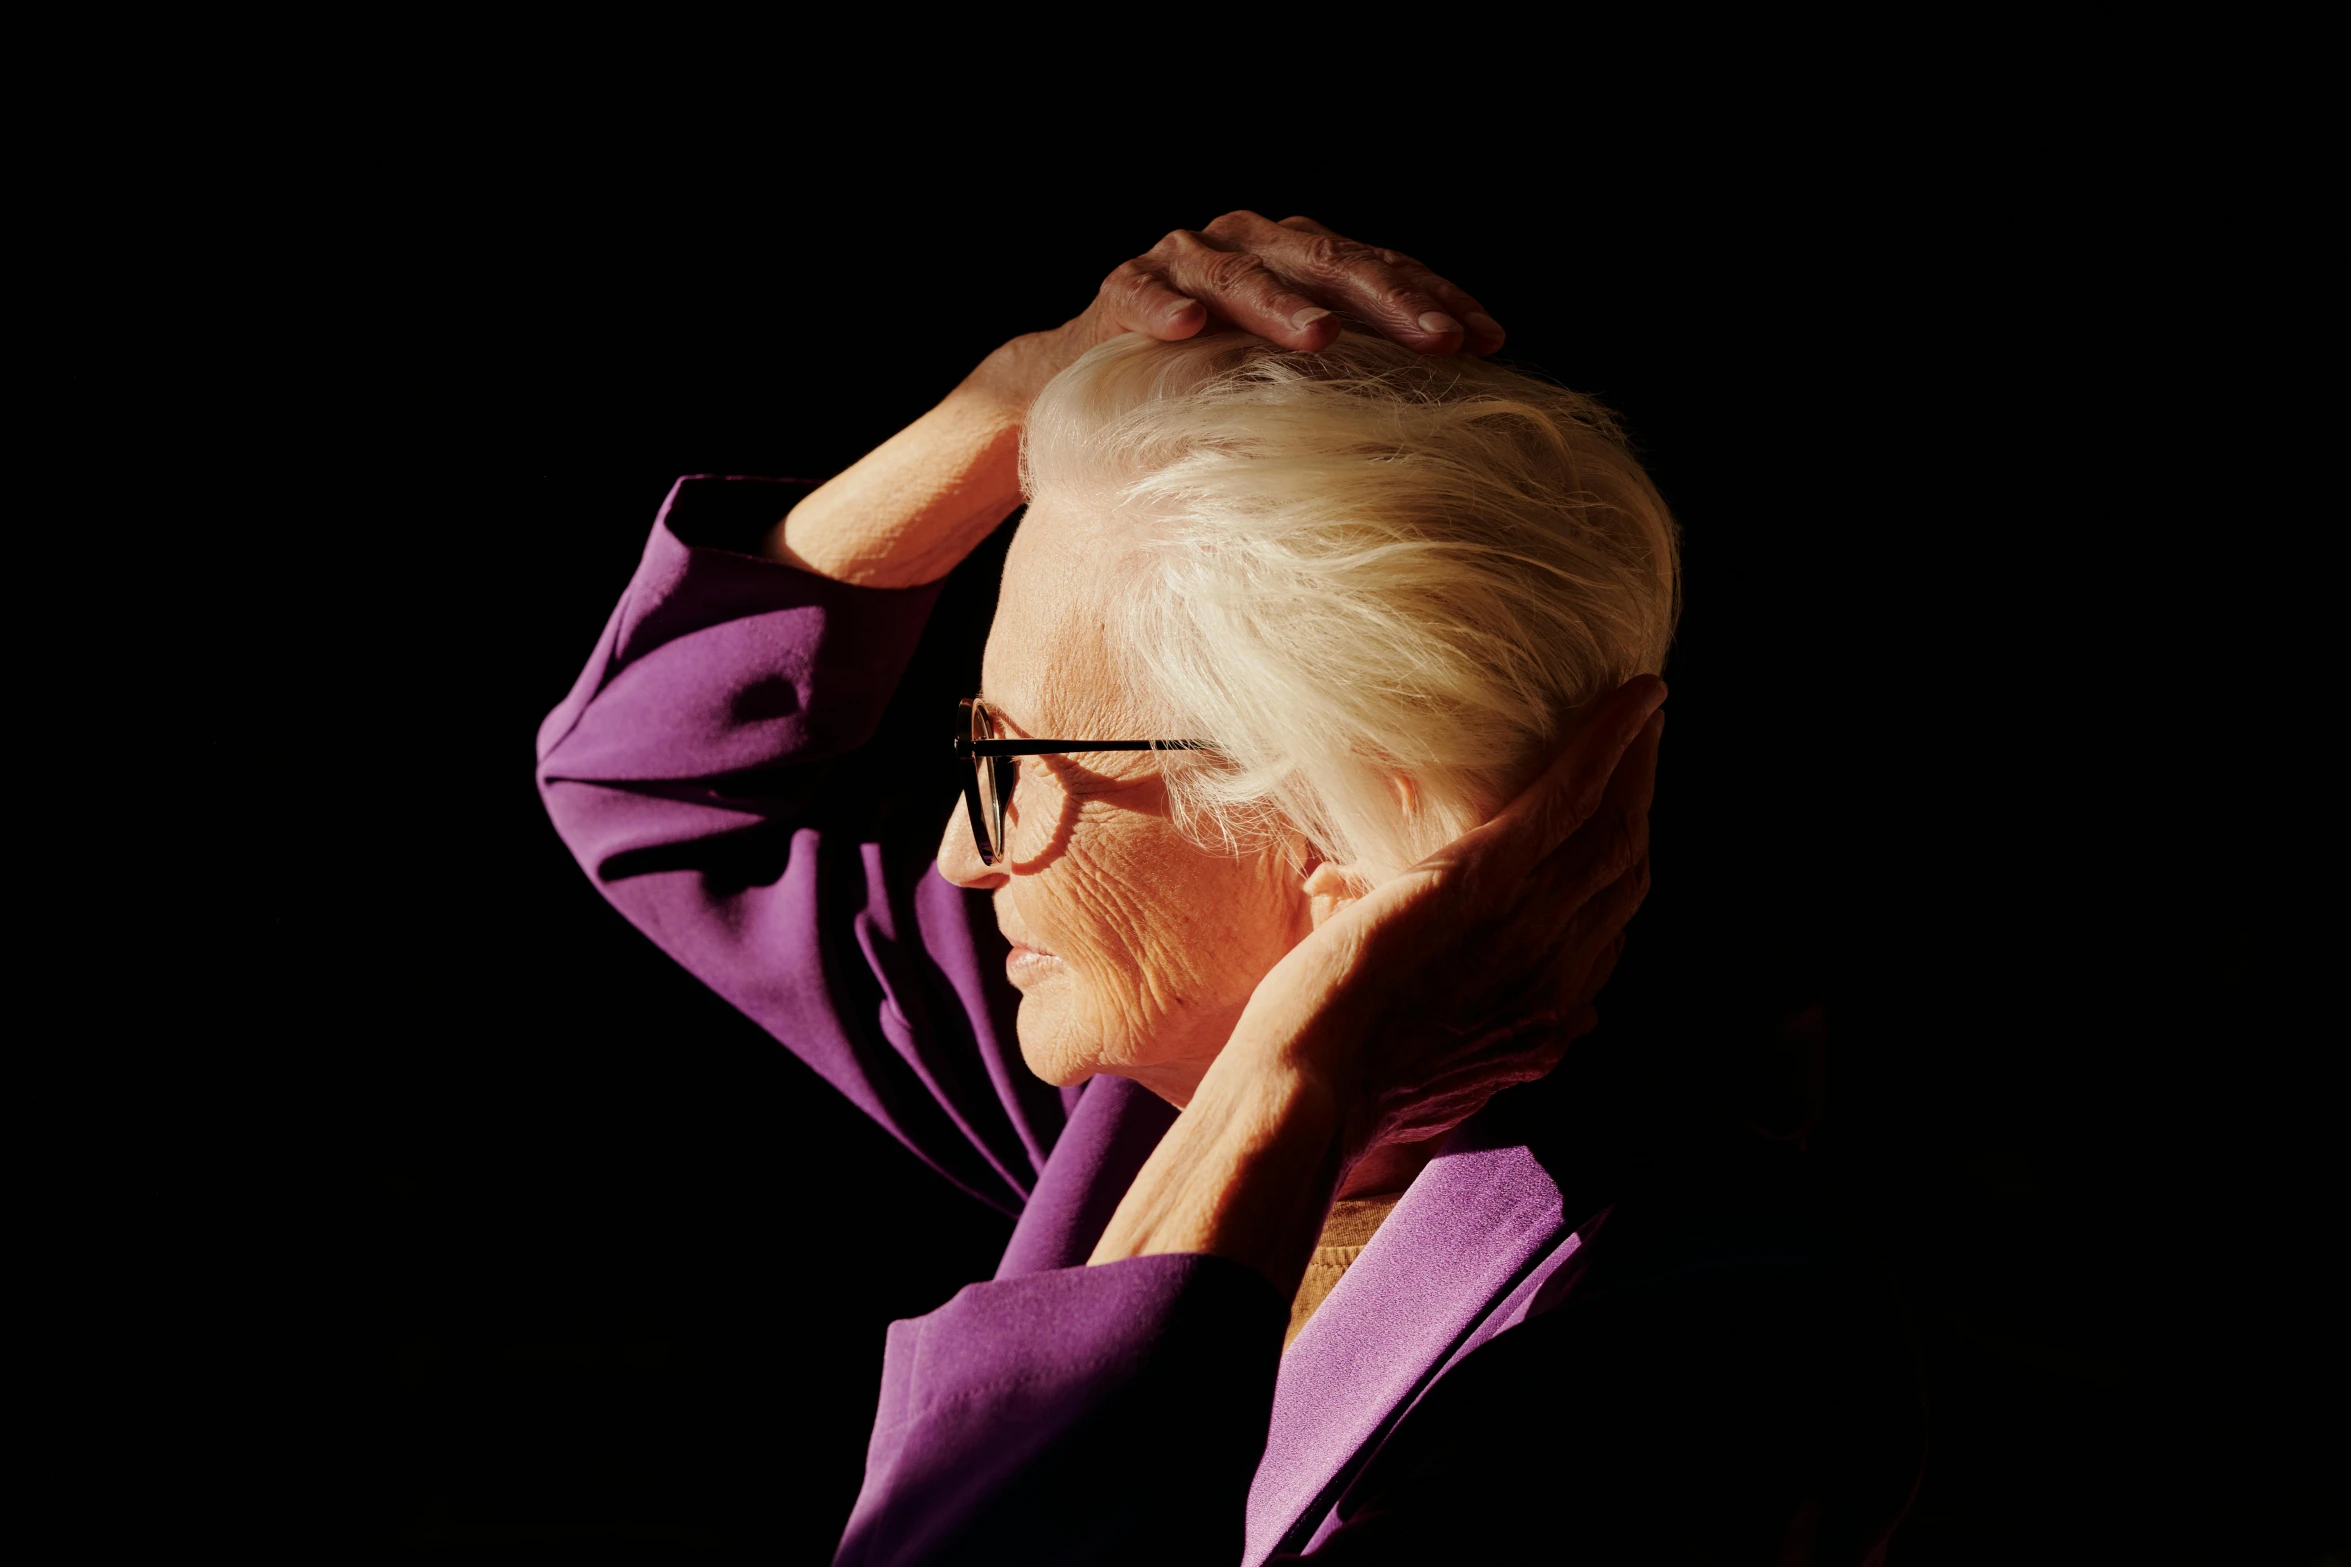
{"x": 702, "y": 770}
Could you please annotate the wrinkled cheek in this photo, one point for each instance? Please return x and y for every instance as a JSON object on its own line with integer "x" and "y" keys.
{"x": 1099, "y": 988}
{"x": 1099, "y": 936}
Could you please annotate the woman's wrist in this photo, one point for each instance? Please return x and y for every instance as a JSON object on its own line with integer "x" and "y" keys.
{"x": 908, "y": 511}
{"x": 1010, "y": 378}
{"x": 1246, "y": 1173}
{"x": 1306, "y": 1027}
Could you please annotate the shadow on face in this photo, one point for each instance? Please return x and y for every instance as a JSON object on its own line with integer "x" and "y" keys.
{"x": 1134, "y": 948}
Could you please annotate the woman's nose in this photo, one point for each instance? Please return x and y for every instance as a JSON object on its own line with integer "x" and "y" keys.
{"x": 959, "y": 856}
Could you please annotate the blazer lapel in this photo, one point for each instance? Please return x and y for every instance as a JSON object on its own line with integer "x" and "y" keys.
{"x": 1100, "y": 1152}
{"x": 1469, "y": 1231}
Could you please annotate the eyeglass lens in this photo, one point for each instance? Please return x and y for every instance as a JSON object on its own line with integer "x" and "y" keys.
{"x": 995, "y": 780}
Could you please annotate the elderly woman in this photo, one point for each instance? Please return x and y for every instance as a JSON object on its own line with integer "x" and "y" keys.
{"x": 1305, "y": 806}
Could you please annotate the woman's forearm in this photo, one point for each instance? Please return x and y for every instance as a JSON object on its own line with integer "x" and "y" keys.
{"x": 909, "y": 510}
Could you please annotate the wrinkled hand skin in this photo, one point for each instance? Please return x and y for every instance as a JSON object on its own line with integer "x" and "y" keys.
{"x": 1294, "y": 283}
{"x": 1477, "y": 968}
{"x": 1399, "y": 1017}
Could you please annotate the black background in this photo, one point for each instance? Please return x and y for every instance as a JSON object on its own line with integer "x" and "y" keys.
{"x": 1962, "y": 752}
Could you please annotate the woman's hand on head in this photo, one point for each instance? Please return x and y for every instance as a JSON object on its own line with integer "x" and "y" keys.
{"x": 1417, "y": 1002}
{"x": 1295, "y": 283}
{"x": 1289, "y": 283}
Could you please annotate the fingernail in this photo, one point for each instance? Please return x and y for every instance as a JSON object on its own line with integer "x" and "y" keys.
{"x": 1179, "y": 307}
{"x": 1485, "y": 325}
{"x": 1436, "y": 323}
{"x": 1307, "y": 318}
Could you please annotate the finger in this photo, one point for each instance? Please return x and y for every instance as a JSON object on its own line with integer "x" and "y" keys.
{"x": 1604, "y": 919}
{"x": 1352, "y": 276}
{"x": 1484, "y": 332}
{"x": 1140, "y": 299}
{"x": 1579, "y": 949}
{"x": 1587, "y": 954}
{"x": 1567, "y": 793}
{"x": 1584, "y": 988}
{"x": 1552, "y": 955}
{"x": 1566, "y": 835}
{"x": 1538, "y": 846}
{"x": 1605, "y": 847}
{"x": 1567, "y": 897}
{"x": 1574, "y": 788}
{"x": 1527, "y": 1050}
{"x": 1581, "y": 969}
{"x": 1388, "y": 288}
{"x": 1568, "y": 905}
{"x": 1237, "y": 287}
{"x": 1548, "y": 907}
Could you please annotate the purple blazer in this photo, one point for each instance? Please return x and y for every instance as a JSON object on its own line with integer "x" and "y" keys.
{"x": 1539, "y": 1352}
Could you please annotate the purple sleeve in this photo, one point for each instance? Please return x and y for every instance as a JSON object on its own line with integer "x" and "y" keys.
{"x": 1107, "y": 1414}
{"x": 702, "y": 771}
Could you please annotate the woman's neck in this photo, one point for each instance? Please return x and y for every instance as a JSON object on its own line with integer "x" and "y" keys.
{"x": 1388, "y": 1168}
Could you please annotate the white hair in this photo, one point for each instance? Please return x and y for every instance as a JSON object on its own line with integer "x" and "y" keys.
{"x": 1383, "y": 585}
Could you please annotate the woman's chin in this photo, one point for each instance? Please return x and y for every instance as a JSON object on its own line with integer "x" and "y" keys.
{"x": 1054, "y": 1050}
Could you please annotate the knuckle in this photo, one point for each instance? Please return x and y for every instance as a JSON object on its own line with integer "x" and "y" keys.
{"x": 1328, "y": 253}
{"x": 1237, "y": 221}
{"x": 1406, "y": 298}
{"x": 1234, "y": 270}
{"x": 1635, "y": 888}
{"x": 1624, "y": 847}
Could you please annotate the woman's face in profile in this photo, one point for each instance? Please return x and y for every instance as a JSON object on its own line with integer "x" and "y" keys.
{"x": 1134, "y": 949}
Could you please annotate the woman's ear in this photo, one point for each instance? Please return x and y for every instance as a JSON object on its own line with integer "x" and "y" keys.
{"x": 1330, "y": 888}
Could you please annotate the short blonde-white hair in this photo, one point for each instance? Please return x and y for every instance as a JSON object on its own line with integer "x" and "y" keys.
{"x": 1383, "y": 585}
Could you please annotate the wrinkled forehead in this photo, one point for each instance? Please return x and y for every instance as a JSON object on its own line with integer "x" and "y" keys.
{"x": 1051, "y": 667}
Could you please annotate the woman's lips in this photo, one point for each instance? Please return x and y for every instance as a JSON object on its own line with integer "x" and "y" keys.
{"x": 1023, "y": 961}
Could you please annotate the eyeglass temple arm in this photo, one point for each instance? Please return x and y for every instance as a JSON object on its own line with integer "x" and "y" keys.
{"x": 965, "y": 747}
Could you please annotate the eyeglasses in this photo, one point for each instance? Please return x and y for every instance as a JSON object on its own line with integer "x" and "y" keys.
{"x": 989, "y": 785}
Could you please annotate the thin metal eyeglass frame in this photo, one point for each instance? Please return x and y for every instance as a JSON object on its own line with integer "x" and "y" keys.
{"x": 992, "y": 771}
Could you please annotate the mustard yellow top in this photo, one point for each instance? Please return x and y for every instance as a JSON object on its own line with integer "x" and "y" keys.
{"x": 1350, "y": 1227}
